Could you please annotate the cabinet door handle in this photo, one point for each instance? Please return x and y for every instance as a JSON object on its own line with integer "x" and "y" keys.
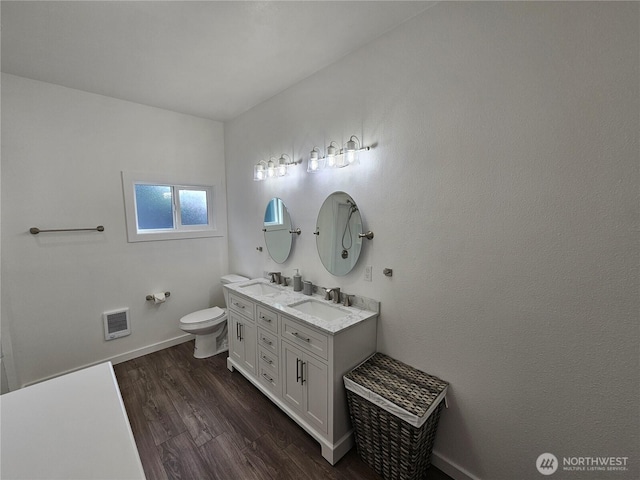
{"x": 267, "y": 377}
{"x": 297, "y": 335}
{"x": 240, "y": 325}
{"x": 266, "y": 319}
{"x": 298, "y": 376}
{"x": 238, "y": 331}
{"x": 268, "y": 360}
{"x": 302, "y": 364}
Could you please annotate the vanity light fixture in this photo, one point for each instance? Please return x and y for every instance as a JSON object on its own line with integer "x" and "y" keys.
{"x": 316, "y": 161}
{"x": 339, "y": 158}
{"x": 275, "y": 167}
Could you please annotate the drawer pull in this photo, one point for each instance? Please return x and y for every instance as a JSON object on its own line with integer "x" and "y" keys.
{"x": 238, "y": 304}
{"x": 266, "y": 319}
{"x": 268, "y": 377}
{"x": 268, "y": 342}
{"x": 267, "y": 359}
{"x": 297, "y": 335}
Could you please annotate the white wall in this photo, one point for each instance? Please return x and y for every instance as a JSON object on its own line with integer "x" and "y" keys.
{"x": 503, "y": 192}
{"x": 62, "y": 154}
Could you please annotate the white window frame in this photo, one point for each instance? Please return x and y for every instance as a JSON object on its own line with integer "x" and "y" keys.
{"x": 179, "y": 231}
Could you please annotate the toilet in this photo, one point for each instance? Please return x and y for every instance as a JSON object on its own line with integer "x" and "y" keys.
{"x": 210, "y": 325}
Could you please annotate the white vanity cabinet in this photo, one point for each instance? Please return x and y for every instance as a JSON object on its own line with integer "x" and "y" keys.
{"x": 299, "y": 365}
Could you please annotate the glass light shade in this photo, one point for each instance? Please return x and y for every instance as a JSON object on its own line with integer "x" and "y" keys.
{"x": 258, "y": 173}
{"x": 282, "y": 167}
{"x": 350, "y": 153}
{"x": 350, "y": 157}
{"x": 331, "y": 156}
{"x": 316, "y": 163}
{"x": 271, "y": 169}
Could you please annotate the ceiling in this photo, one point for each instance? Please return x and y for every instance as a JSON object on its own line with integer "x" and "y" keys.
{"x": 212, "y": 59}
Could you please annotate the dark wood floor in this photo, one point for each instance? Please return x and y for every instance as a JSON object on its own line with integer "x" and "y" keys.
{"x": 194, "y": 419}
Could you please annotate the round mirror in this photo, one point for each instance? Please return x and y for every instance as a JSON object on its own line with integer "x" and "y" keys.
{"x": 277, "y": 230}
{"x": 337, "y": 229}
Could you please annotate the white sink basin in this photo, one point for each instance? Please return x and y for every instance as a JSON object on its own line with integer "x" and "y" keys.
{"x": 319, "y": 309}
{"x": 259, "y": 288}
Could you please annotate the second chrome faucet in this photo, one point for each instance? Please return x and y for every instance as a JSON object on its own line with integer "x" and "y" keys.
{"x": 276, "y": 277}
{"x": 332, "y": 294}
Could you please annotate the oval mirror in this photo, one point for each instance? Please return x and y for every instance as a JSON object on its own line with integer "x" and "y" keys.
{"x": 277, "y": 230}
{"x": 339, "y": 223}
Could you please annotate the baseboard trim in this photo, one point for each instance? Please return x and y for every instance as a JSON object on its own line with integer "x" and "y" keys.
{"x": 123, "y": 357}
{"x": 141, "y": 352}
{"x": 452, "y": 469}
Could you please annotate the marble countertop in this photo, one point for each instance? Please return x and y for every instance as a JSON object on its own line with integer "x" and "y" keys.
{"x": 362, "y": 309}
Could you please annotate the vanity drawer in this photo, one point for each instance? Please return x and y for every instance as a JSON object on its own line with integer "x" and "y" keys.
{"x": 268, "y": 360}
{"x": 268, "y": 341}
{"x": 305, "y": 337}
{"x": 240, "y": 305}
{"x": 267, "y": 377}
{"x": 267, "y": 319}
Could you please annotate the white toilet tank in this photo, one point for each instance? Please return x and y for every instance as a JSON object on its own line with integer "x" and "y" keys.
{"x": 231, "y": 278}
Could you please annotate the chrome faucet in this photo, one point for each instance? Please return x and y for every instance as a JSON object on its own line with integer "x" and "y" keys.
{"x": 275, "y": 277}
{"x": 333, "y": 294}
{"x": 347, "y": 300}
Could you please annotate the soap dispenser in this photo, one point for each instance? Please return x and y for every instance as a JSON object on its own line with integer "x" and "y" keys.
{"x": 297, "y": 282}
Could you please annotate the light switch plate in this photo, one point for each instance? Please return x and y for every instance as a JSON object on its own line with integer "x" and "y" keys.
{"x": 368, "y": 272}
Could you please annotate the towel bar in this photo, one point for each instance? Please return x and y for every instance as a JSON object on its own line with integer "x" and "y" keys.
{"x": 36, "y": 230}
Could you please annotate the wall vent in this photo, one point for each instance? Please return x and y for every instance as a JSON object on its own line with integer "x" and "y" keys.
{"x": 116, "y": 324}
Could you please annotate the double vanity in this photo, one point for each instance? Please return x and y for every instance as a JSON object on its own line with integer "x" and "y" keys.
{"x": 295, "y": 348}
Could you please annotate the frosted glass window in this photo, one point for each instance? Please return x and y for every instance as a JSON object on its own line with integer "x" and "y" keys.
{"x": 154, "y": 207}
{"x": 193, "y": 207}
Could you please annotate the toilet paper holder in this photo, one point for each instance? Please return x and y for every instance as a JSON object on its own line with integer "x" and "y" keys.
{"x": 149, "y": 298}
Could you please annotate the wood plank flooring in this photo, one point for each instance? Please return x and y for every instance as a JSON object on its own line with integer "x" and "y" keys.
{"x": 195, "y": 420}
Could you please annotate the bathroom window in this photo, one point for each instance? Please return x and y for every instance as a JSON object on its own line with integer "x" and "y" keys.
{"x": 157, "y": 209}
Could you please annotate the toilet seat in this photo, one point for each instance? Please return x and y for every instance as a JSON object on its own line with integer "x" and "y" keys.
{"x": 208, "y": 317}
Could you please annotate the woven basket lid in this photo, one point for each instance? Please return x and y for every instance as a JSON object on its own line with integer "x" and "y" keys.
{"x": 406, "y": 387}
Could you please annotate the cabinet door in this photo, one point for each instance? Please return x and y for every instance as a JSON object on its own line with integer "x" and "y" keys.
{"x": 249, "y": 339}
{"x": 291, "y": 384}
{"x": 242, "y": 342}
{"x": 316, "y": 404}
{"x": 236, "y": 347}
{"x": 305, "y": 385}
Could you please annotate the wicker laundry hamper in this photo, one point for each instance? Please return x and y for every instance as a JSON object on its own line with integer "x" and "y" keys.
{"x": 395, "y": 410}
